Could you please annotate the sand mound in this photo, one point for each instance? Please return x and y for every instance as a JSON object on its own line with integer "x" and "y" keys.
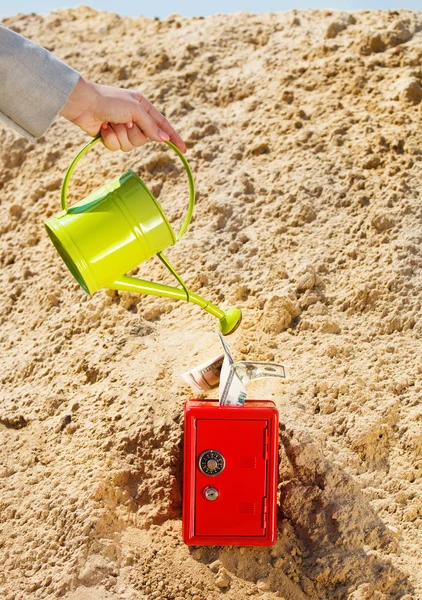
{"x": 303, "y": 131}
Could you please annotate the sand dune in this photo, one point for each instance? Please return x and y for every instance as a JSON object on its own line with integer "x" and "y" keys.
{"x": 303, "y": 132}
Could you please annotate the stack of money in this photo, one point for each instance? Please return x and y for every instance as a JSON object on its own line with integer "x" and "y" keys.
{"x": 232, "y": 376}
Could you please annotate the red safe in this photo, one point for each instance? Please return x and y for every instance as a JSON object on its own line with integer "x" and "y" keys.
{"x": 230, "y": 473}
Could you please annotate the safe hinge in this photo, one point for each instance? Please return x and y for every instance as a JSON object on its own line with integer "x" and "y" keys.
{"x": 264, "y": 512}
{"x": 266, "y": 443}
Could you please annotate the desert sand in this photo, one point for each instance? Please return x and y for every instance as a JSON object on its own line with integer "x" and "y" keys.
{"x": 303, "y": 132}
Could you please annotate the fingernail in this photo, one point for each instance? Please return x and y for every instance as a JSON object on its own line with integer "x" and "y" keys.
{"x": 129, "y": 125}
{"x": 104, "y": 126}
{"x": 164, "y": 136}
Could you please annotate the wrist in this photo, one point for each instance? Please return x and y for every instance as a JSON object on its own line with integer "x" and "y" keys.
{"x": 81, "y": 98}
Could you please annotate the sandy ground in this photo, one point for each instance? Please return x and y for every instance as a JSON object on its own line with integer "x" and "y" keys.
{"x": 303, "y": 131}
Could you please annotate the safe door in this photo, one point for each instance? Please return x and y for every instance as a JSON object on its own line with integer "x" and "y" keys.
{"x": 231, "y": 474}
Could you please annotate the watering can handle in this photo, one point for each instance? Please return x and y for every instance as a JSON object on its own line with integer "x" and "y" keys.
{"x": 88, "y": 146}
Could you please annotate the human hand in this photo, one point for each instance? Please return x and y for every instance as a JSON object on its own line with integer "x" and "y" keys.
{"x": 125, "y": 118}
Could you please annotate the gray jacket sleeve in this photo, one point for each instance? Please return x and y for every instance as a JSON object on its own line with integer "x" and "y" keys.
{"x": 34, "y": 84}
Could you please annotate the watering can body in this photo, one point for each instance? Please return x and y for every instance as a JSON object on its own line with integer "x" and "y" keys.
{"x": 117, "y": 227}
{"x": 110, "y": 232}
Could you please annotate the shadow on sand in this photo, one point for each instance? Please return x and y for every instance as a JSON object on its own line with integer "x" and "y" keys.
{"x": 330, "y": 542}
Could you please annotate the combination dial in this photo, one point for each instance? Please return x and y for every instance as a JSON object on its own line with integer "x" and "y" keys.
{"x": 211, "y": 462}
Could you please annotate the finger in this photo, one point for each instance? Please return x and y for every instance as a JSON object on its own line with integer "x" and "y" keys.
{"x": 122, "y": 135}
{"x": 163, "y": 123}
{"x": 110, "y": 140}
{"x": 136, "y": 136}
{"x": 160, "y": 120}
{"x": 147, "y": 124}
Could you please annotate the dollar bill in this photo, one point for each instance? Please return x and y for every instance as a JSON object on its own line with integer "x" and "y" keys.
{"x": 249, "y": 371}
{"x": 227, "y": 352}
{"x": 206, "y": 376}
{"x": 235, "y": 376}
{"x": 232, "y": 392}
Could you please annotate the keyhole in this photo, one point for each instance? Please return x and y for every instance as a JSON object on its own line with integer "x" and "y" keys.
{"x": 210, "y": 493}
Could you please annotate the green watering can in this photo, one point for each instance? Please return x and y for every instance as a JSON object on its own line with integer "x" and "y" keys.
{"x": 116, "y": 228}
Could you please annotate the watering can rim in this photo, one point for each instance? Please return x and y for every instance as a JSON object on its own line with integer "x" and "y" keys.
{"x": 76, "y": 264}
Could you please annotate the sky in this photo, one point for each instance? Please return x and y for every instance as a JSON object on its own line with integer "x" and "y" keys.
{"x": 189, "y": 8}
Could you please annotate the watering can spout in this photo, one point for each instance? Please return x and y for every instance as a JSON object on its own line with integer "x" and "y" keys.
{"x": 229, "y": 320}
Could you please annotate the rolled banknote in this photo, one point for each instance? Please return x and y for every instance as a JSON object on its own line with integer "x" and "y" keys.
{"x": 206, "y": 376}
